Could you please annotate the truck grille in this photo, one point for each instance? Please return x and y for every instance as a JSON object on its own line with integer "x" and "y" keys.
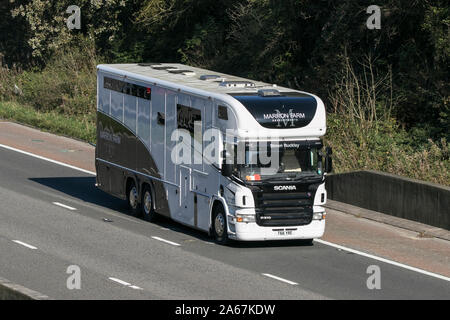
{"x": 283, "y": 209}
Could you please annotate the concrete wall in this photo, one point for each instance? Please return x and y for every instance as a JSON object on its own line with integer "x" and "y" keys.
{"x": 398, "y": 196}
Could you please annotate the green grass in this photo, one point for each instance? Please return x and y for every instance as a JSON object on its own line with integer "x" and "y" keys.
{"x": 76, "y": 126}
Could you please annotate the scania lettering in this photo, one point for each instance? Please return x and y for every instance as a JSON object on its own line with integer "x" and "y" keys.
{"x": 255, "y": 167}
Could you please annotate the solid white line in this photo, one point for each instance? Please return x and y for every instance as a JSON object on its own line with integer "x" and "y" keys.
{"x": 47, "y": 159}
{"x": 166, "y": 241}
{"x": 280, "y": 279}
{"x": 401, "y": 265}
{"x": 316, "y": 240}
{"x": 120, "y": 281}
{"x": 64, "y": 206}
{"x": 29, "y": 246}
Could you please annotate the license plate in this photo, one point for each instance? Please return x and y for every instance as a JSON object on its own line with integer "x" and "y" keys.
{"x": 285, "y": 233}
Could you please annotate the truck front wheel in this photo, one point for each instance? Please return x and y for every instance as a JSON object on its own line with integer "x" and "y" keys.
{"x": 220, "y": 225}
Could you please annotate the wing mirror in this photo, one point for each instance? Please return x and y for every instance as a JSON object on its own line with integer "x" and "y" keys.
{"x": 328, "y": 159}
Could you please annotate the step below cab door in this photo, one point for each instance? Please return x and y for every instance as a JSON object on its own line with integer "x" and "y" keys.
{"x": 185, "y": 213}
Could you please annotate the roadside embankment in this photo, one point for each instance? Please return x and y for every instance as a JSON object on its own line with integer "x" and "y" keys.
{"x": 405, "y": 198}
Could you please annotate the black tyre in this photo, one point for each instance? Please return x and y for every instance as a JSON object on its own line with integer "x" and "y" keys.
{"x": 133, "y": 198}
{"x": 219, "y": 226}
{"x": 148, "y": 211}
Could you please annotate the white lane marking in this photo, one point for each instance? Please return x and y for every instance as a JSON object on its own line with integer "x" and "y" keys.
{"x": 126, "y": 284}
{"x": 64, "y": 206}
{"x": 401, "y": 265}
{"x": 29, "y": 246}
{"x": 280, "y": 279}
{"x": 166, "y": 241}
{"x": 120, "y": 281}
{"x": 165, "y": 229}
{"x": 317, "y": 240}
{"x": 47, "y": 159}
{"x": 136, "y": 288}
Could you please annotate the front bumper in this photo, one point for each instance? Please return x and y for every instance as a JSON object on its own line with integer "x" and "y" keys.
{"x": 252, "y": 232}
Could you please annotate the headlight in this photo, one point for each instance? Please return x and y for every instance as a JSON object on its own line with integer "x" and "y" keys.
{"x": 245, "y": 218}
{"x": 319, "y": 215}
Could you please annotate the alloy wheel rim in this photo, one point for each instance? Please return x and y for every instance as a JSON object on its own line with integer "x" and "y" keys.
{"x": 147, "y": 202}
{"x": 219, "y": 224}
{"x": 133, "y": 197}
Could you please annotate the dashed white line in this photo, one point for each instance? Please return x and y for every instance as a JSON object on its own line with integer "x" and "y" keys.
{"x": 47, "y": 159}
{"x": 166, "y": 241}
{"x": 64, "y": 206}
{"x": 280, "y": 279}
{"x": 316, "y": 240}
{"x": 126, "y": 284}
{"x": 136, "y": 288}
{"x": 120, "y": 281}
{"x": 29, "y": 246}
{"x": 401, "y": 265}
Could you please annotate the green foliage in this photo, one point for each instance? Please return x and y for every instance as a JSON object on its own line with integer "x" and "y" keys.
{"x": 388, "y": 88}
{"x": 386, "y": 147}
{"x": 79, "y": 126}
{"x": 67, "y": 84}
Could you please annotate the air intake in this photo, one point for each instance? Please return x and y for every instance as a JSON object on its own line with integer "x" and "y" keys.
{"x": 237, "y": 84}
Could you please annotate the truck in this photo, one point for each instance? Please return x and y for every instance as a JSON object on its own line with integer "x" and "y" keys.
{"x": 237, "y": 158}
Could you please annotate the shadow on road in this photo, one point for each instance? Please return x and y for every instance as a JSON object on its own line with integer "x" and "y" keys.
{"x": 84, "y": 188}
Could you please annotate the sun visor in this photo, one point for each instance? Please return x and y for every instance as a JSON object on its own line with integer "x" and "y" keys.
{"x": 280, "y": 112}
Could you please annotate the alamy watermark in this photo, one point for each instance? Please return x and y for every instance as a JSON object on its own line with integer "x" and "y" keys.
{"x": 374, "y": 280}
{"x": 224, "y": 148}
{"x": 74, "y": 20}
{"x": 374, "y": 20}
{"x": 74, "y": 280}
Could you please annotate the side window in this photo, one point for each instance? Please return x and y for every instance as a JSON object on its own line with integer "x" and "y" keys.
{"x": 222, "y": 112}
{"x": 127, "y": 88}
{"x": 190, "y": 119}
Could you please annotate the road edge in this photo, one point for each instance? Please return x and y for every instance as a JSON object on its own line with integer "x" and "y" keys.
{"x": 423, "y": 230}
{"x": 13, "y": 291}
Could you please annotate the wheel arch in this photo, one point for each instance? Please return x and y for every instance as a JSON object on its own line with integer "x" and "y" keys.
{"x": 215, "y": 202}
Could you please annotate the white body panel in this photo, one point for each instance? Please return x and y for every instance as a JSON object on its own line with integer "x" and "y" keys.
{"x": 192, "y": 189}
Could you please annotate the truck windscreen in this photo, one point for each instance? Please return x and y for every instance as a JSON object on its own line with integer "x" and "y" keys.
{"x": 285, "y": 161}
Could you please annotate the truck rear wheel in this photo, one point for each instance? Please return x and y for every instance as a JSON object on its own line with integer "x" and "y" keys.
{"x": 133, "y": 198}
{"x": 148, "y": 211}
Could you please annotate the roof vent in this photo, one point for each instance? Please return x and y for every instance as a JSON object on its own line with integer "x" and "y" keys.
{"x": 210, "y": 77}
{"x": 184, "y": 72}
{"x": 236, "y": 84}
{"x": 160, "y": 67}
{"x": 268, "y": 92}
{"x": 149, "y": 64}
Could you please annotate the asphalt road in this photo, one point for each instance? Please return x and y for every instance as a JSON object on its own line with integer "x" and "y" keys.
{"x": 127, "y": 258}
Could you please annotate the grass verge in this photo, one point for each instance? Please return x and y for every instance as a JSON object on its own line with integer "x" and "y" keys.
{"x": 80, "y": 127}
